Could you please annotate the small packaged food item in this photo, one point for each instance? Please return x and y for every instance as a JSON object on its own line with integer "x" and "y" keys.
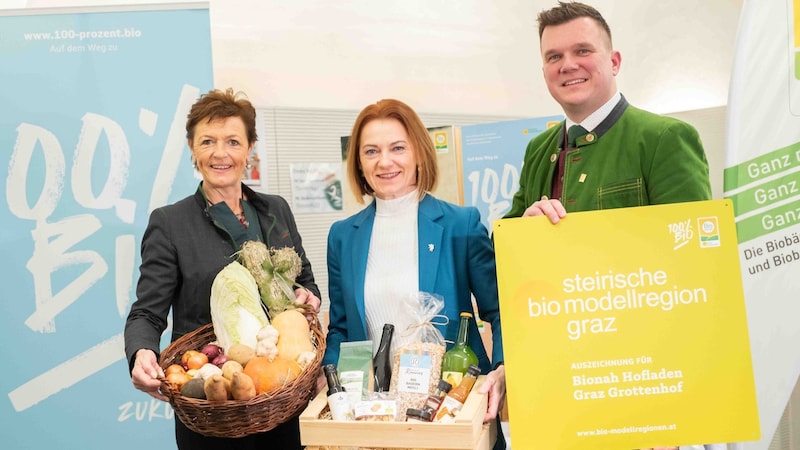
{"x": 418, "y": 364}
{"x": 435, "y": 399}
{"x": 418, "y": 415}
{"x": 355, "y": 369}
{"x": 376, "y": 410}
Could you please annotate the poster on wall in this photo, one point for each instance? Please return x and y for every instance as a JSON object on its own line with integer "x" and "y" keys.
{"x": 316, "y": 187}
{"x": 491, "y": 157}
{"x": 92, "y": 132}
{"x": 632, "y": 308}
{"x": 762, "y": 180}
{"x": 252, "y": 170}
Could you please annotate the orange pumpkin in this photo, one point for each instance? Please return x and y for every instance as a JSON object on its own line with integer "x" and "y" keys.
{"x": 270, "y": 375}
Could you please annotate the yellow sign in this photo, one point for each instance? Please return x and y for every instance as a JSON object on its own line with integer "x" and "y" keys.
{"x": 625, "y": 328}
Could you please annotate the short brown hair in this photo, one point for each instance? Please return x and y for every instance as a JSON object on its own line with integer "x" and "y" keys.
{"x": 569, "y": 11}
{"x": 218, "y": 104}
{"x": 420, "y": 139}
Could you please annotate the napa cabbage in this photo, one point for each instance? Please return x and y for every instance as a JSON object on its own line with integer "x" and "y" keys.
{"x": 236, "y": 311}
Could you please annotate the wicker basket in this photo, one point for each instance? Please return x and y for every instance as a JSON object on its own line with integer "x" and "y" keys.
{"x": 238, "y": 418}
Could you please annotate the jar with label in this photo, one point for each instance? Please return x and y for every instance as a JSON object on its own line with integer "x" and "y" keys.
{"x": 455, "y": 399}
{"x": 435, "y": 399}
{"x": 338, "y": 401}
{"x": 418, "y": 415}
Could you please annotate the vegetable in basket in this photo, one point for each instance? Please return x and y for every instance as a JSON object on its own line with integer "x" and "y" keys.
{"x": 274, "y": 272}
{"x": 236, "y": 313}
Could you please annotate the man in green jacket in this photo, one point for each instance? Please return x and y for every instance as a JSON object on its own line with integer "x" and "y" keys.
{"x": 622, "y": 156}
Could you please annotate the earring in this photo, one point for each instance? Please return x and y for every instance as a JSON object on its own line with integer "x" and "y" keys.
{"x": 248, "y": 166}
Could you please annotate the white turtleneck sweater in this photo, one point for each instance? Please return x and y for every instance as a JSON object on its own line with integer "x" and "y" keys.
{"x": 392, "y": 267}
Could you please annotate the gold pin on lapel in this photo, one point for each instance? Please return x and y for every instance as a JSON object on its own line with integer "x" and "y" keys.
{"x": 553, "y": 157}
{"x": 582, "y": 178}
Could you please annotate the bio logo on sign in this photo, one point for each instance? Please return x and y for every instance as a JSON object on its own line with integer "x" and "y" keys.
{"x": 682, "y": 233}
{"x": 709, "y": 232}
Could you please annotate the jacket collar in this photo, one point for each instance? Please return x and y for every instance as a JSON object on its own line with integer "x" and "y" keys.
{"x": 429, "y": 246}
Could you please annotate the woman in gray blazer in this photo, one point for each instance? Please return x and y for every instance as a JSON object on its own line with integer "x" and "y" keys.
{"x": 187, "y": 243}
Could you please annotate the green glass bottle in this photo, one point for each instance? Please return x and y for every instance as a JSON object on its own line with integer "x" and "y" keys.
{"x": 460, "y": 356}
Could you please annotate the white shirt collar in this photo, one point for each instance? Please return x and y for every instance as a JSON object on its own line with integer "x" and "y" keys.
{"x": 594, "y": 119}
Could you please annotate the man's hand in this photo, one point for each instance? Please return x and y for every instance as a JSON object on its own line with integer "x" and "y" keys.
{"x": 495, "y": 386}
{"x": 551, "y": 208}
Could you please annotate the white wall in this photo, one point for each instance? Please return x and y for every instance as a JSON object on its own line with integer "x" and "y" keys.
{"x": 466, "y": 56}
{"x": 470, "y": 56}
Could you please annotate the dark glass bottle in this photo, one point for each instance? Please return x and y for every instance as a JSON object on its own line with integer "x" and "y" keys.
{"x": 382, "y": 363}
{"x": 456, "y": 360}
{"x": 338, "y": 401}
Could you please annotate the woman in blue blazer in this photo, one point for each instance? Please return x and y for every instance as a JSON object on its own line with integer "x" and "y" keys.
{"x": 406, "y": 241}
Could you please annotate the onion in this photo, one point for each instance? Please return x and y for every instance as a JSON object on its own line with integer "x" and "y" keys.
{"x": 212, "y": 351}
{"x": 220, "y": 360}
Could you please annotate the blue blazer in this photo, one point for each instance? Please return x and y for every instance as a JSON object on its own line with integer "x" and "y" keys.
{"x": 456, "y": 261}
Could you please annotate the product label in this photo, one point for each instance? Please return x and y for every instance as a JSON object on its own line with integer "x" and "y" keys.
{"x": 447, "y": 412}
{"x": 454, "y": 378}
{"x": 353, "y": 383}
{"x": 339, "y": 403}
{"x": 379, "y": 410}
{"x": 414, "y": 374}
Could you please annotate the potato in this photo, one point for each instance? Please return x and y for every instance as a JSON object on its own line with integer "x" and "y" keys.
{"x": 194, "y": 388}
{"x": 242, "y": 386}
{"x": 229, "y": 368}
{"x": 240, "y": 353}
{"x": 217, "y": 388}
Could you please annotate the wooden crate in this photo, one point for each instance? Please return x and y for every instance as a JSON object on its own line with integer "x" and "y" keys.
{"x": 467, "y": 432}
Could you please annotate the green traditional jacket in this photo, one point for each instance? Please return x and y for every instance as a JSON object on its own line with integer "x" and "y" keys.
{"x": 633, "y": 158}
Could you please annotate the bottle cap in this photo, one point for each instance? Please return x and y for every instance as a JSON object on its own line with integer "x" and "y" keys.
{"x": 474, "y": 370}
{"x": 444, "y": 386}
{"x": 418, "y": 414}
{"x": 466, "y": 314}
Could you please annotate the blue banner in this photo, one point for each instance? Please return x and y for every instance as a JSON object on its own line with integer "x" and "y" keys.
{"x": 92, "y": 131}
{"x": 492, "y": 155}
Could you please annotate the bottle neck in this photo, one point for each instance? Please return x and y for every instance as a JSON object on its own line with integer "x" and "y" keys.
{"x": 334, "y": 385}
{"x": 465, "y": 386}
{"x": 386, "y": 339}
{"x": 463, "y": 331}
